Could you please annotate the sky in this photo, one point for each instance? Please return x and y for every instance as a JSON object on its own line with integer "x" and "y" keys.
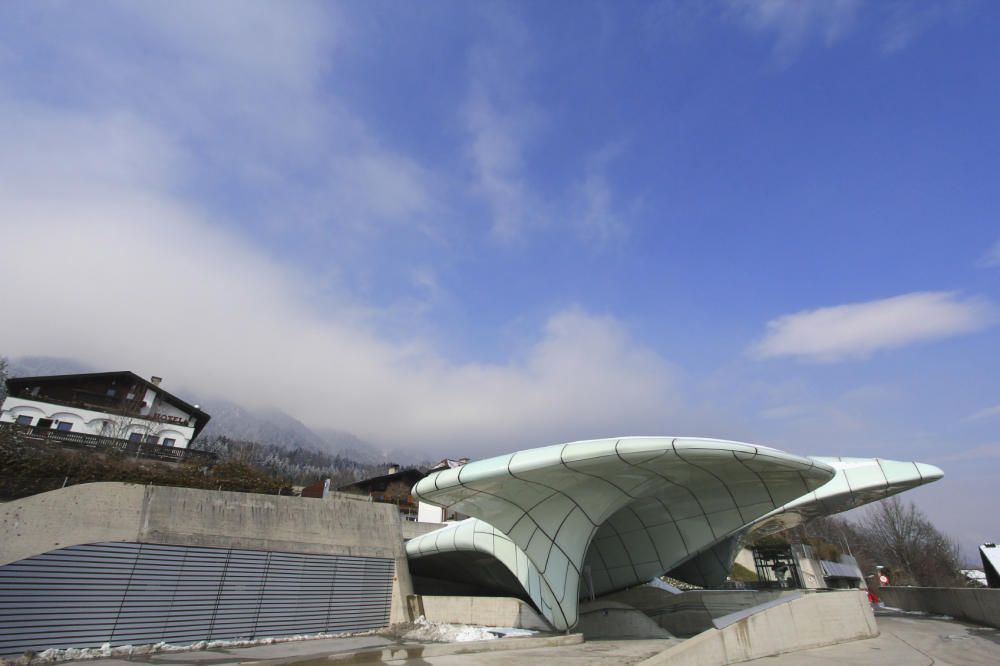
{"x": 470, "y": 228}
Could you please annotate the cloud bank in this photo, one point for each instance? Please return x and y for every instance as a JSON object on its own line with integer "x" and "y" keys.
{"x": 857, "y": 330}
{"x": 112, "y": 267}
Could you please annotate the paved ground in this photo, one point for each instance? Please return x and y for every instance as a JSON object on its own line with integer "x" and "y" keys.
{"x": 905, "y": 639}
{"x": 589, "y": 653}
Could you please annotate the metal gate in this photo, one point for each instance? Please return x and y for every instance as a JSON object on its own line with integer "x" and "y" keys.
{"x": 130, "y": 593}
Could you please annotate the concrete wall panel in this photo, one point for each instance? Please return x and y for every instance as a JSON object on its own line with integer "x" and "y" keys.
{"x": 783, "y": 625}
{"x": 978, "y": 605}
{"x": 120, "y": 512}
{"x": 486, "y": 611}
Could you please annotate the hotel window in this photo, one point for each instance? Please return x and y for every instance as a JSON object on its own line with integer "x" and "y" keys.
{"x": 169, "y": 441}
{"x": 135, "y": 437}
{"x": 64, "y": 425}
{"x": 23, "y": 420}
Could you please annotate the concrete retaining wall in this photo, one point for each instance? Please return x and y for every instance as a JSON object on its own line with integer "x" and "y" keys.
{"x": 783, "y": 625}
{"x": 99, "y": 512}
{"x": 981, "y": 605}
{"x": 93, "y": 512}
{"x": 412, "y": 530}
{"x": 605, "y": 619}
{"x": 485, "y": 611}
{"x": 692, "y": 612}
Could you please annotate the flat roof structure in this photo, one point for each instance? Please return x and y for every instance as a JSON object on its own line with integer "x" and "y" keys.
{"x": 587, "y": 518}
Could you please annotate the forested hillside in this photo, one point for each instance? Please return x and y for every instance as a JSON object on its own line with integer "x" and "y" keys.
{"x": 29, "y": 467}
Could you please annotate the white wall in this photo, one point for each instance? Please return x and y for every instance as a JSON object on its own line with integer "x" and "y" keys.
{"x": 428, "y": 513}
{"x": 90, "y": 422}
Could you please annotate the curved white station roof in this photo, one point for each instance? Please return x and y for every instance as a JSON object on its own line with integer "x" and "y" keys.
{"x": 858, "y": 481}
{"x": 611, "y": 513}
{"x": 645, "y": 504}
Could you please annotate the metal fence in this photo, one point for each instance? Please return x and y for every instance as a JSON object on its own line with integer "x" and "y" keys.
{"x": 129, "y": 593}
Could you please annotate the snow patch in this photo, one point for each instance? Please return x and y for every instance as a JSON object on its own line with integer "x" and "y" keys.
{"x": 425, "y": 631}
{"x": 916, "y": 612}
{"x": 663, "y": 585}
{"x": 128, "y": 651}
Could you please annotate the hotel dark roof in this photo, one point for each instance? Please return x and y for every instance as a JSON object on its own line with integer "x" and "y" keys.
{"x": 19, "y": 387}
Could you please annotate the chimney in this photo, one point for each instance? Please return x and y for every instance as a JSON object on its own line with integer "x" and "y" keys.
{"x": 393, "y": 468}
{"x": 155, "y": 381}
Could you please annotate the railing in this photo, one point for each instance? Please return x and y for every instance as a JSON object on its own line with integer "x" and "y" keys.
{"x": 101, "y": 443}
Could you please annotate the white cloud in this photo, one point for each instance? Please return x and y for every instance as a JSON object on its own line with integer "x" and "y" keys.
{"x": 122, "y": 263}
{"x": 503, "y": 125}
{"x": 983, "y": 452}
{"x": 500, "y": 122}
{"x": 792, "y": 23}
{"x": 992, "y": 258}
{"x": 599, "y": 217}
{"x": 496, "y": 150}
{"x": 244, "y": 89}
{"x": 985, "y": 413}
{"x": 113, "y": 268}
{"x": 905, "y": 22}
{"x": 857, "y": 330}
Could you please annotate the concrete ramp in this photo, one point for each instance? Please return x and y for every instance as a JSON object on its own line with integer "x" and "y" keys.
{"x": 604, "y": 619}
{"x": 783, "y": 625}
{"x": 692, "y": 612}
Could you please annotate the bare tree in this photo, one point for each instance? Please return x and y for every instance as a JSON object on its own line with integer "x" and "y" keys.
{"x": 902, "y": 538}
{"x": 125, "y": 418}
{"x": 4, "y": 374}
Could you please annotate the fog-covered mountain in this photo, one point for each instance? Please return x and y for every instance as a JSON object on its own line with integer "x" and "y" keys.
{"x": 31, "y": 366}
{"x": 266, "y": 426}
{"x": 261, "y": 425}
{"x": 273, "y": 426}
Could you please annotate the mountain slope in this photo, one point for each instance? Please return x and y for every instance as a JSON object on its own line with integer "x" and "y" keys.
{"x": 266, "y": 426}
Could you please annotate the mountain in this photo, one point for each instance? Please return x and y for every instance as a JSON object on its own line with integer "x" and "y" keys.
{"x": 38, "y": 366}
{"x": 353, "y": 447}
{"x": 266, "y": 426}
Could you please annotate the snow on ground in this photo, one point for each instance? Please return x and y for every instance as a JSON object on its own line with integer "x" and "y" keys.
{"x": 431, "y": 632}
{"x": 423, "y": 631}
{"x": 663, "y": 585}
{"x": 128, "y": 651}
{"x": 915, "y": 612}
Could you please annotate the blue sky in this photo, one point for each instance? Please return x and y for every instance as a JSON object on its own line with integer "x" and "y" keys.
{"x": 474, "y": 227}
